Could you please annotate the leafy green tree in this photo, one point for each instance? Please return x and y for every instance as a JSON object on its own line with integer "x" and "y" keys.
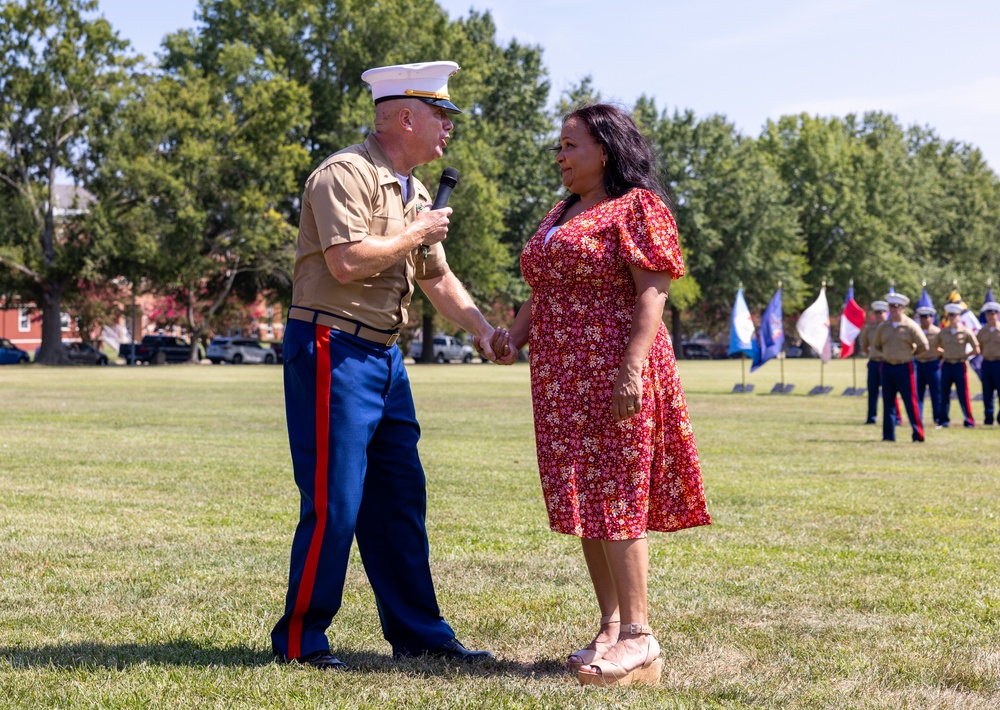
{"x": 63, "y": 77}
{"x": 732, "y": 215}
{"x": 202, "y": 162}
{"x": 954, "y": 197}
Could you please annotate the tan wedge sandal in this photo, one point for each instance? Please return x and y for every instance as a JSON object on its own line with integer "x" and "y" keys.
{"x": 586, "y": 656}
{"x": 610, "y": 673}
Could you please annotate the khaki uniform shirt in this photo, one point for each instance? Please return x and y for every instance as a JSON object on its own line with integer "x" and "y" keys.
{"x": 899, "y": 342}
{"x": 354, "y": 195}
{"x": 953, "y": 341}
{"x": 866, "y": 340}
{"x": 929, "y": 355}
{"x": 989, "y": 341}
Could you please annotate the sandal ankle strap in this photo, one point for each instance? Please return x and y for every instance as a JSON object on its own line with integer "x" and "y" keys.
{"x": 610, "y": 619}
{"x": 638, "y": 629}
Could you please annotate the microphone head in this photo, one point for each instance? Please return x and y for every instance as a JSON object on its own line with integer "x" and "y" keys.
{"x": 449, "y": 177}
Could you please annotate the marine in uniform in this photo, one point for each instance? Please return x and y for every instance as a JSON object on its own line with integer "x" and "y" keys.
{"x": 955, "y": 343}
{"x": 928, "y": 364}
{"x": 364, "y": 239}
{"x": 899, "y": 339}
{"x": 989, "y": 344}
{"x": 880, "y": 310}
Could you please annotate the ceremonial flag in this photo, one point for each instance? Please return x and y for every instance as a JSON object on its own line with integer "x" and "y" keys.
{"x": 851, "y": 322}
{"x": 741, "y": 327}
{"x": 771, "y": 336}
{"x": 814, "y": 325}
{"x": 989, "y": 297}
{"x": 925, "y": 301}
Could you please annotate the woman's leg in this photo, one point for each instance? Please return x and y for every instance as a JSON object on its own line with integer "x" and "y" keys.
{"x": 628, "y": 562}
{"x": 607, "y": 600}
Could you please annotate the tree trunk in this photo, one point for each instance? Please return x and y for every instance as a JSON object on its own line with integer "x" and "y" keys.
{"x": 675, "y": 332}
{"x": 427, "y": 355}
{"x": 195, "y": 340}
{"x": 52, "y": 352}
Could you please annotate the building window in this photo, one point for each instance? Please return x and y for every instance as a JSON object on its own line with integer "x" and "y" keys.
{"x": 64, "y": 322}
{"x": 23, "y": 320}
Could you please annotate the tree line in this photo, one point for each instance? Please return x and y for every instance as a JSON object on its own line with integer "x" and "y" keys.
{"x": 196, "y": 160}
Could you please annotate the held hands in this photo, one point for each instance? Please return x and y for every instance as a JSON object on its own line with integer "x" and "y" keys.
{"x": 626, "y": 399}
{"x": 497, "y": 348}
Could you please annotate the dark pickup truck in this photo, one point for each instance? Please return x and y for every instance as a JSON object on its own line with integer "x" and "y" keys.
{"x": 157, "y": 349}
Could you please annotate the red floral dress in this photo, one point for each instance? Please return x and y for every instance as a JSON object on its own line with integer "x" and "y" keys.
{"x": 602, "y": 479}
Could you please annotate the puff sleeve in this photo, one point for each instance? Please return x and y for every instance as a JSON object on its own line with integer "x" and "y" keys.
{"x": 648, "y": 235}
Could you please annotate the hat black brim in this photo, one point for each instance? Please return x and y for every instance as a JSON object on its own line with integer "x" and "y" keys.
{"x": 440, "y": 103}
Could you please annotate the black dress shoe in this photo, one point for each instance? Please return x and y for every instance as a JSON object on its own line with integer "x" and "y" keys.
{"x": 451, "y": 650}
{"x": 323, "y": 660}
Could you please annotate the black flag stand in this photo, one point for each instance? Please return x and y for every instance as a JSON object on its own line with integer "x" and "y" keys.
{"x": 743, "y": 387}
{"x": 781, "y": 387}
{"x": 820, "y": 389}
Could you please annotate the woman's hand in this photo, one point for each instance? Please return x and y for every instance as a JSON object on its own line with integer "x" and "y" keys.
{"x": 626, "y": 399}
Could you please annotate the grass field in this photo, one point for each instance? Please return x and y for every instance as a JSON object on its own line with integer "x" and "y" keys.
{"x": 146, "y": 514}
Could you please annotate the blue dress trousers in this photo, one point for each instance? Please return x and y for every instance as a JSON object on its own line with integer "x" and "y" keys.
{"x": 899, "y": 379}
{"x": 955, "y": 373}
{"x": 353, "y": 434}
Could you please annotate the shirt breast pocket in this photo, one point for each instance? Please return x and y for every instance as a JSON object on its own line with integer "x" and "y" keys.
{"x": 385, "y": 226}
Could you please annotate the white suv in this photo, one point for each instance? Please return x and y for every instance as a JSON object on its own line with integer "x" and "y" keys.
{"x": 446, "y": 348}
{"x": 239, "y": 350}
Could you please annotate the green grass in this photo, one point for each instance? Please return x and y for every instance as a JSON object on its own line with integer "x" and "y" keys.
{"x": 146, "y": 514}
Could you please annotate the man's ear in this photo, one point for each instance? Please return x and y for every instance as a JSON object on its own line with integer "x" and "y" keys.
{"x": 405, "y": 118}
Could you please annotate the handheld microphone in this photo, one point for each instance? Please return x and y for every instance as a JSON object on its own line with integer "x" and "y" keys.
{"x": 449, "y": 178}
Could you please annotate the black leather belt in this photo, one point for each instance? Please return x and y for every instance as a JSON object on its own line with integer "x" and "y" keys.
{"x": 954, "y": 362}
{"x": 345, "y": 325}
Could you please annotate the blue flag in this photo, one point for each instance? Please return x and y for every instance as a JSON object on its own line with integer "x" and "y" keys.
{"x": 926, "y": 302}
{"x": 741, "y": 327}
{"x": 989, "y": 297}
{"x": 771, "y": 336}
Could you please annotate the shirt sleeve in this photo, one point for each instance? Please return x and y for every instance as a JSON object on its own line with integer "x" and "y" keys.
{"x": 648, "y": 235}
{"x": 342, "y": 204}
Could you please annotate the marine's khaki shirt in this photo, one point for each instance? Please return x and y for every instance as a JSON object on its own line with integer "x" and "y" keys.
{"x": 953, "y": 341}
{"x": 354, "y": 195}
{"x": 867, "y": 342}
{"x": 899, "y": 342}
{"x": 929, "y": 355}
{"x": 989, "y": 341}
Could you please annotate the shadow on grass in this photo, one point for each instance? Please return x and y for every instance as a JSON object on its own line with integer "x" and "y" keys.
{"x": 192, "y": 654}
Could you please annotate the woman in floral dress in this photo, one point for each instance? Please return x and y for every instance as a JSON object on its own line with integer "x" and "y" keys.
{"x": 616, "y": 452}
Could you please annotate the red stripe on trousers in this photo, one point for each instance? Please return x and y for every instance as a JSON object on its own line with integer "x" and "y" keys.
{"x": 913, "y": 399}
{"x": 968, "y": 403}
{"x": 319, "y": 490}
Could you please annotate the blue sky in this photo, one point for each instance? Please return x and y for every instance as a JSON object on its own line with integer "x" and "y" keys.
{"x": 929, "y": 63}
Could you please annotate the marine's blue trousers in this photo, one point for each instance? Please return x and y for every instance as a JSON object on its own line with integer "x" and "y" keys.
{"x": 899, "y": 379}
{"x": 874, "y": 382}
{"x": 929, "y": 380}
{"x": 991, "y": 387}
{"x": 955, "y": 373}
{"x": 353, "y": 434}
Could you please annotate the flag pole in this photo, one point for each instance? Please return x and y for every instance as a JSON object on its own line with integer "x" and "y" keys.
{"x": 743, "y": 368}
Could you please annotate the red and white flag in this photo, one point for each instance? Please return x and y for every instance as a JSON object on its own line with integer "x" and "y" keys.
{"x": 851, "y": 322}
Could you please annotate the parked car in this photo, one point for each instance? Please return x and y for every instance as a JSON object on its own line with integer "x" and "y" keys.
{"x": 158, "y": 349}
{"x": 696, "y": 351}
{"x": 446, "y": 348}
{"x": 10, "y": 354}
{"x": 239, "y": 350}
{"x": 85, "y": 354}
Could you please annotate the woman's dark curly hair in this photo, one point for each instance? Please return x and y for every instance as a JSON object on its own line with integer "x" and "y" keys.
{"x": 631, "y": 162}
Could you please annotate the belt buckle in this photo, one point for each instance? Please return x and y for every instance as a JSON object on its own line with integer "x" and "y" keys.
{"x": 392, "y": 340}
